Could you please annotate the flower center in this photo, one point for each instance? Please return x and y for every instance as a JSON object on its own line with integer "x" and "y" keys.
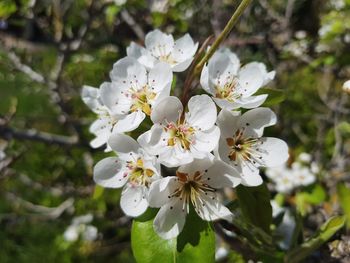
{"x": 190, "y": 190}
{"x": 168, "y": 59}
{"x": 139, "y": 175}
{"x": 243, "y": 149}
{"x": 141, "y": 99}
{"x": 180, "y": 133}
{"x": 160, "y": 52}
{"x": 229, "y": 90}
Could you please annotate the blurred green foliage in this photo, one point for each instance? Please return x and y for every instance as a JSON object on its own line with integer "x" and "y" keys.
{"x": 306, "y": 95}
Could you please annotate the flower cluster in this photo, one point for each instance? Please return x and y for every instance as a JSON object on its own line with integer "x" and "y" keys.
{"x": 81, "y": 228}
{"x": 209, "y": 150}
{"x": 302, "y": 172}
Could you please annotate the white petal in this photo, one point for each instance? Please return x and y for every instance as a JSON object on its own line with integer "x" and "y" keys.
{"x": 122, "y": 143}
{"x": 184, "y": 48}
{"x": 71, "y": 234}
{"x": 141, "y": 54}
{"x": 212, "y": 209}
{"x": 175, "y": 156}
{"x": 160, "y": 78}
{"x": 234, "y": 60}
{"x": 224, "y": 150}
{"x": 268, "y": 76}
{"x": 199, "y": 165}
{"x": 90, "y": 96}
{"x": 109, "y": 172}
{"x": 102, "y": 130}
{"x": 152, "y": 140}
{"x": 130, "y": 72}
{"x": 256, "y": 120}
{"x": 250, "y": 175}
{"x": 133, "y": 200}
{"x": 130, "y": 122}
{"x": 201, "y": 112}
{"x": 110, "y": 94}
{"x": 168, "y": 109}
{"x": 170, "y": 220}
{"x": 222, "y": 175}
{"x": 225, "y": 104}
{"x": 251, "y": 102}
{"x": 98, "y": 141}
{"x": 251, "y": 79}
{"x": 182, "y": 66}
{"x": 206, "y": 141}
{"x": 274, "y": 151}
{"x": 157, "y": 41}
{"x": 204, "y": 80}
{"x": 220, "y": 67}
{"x": 121, "y": 107}
{"x": 227, "y": 122}
{"x": 160, "y": 191}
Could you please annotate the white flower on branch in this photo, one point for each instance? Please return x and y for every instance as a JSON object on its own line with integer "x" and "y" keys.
{"x": 134, "y": 91}
{"x": 82, "y": 228}
{"x": 242, "y": 146}
{"x": 177, "y": 137}
{"x": 195, "y": 184}
{"x": 346, "y": 86}
{"x": 301, "y": 173}
{"x": 233, "y": 87}
{"x": 133, "y": 169}
{"x": 161, "y": 47}
{"x": 108, "y": 120}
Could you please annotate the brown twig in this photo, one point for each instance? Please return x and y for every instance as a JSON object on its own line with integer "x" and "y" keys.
{"x": 34, "y": 135}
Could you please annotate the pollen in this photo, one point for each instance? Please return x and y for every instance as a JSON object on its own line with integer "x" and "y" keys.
{"x": 191, "y": 189}
{"x": 180, "y": 133}
{"x": 228, "y": 91}
{"x": 243, "y": 149}
{"x": 142, "y": 99}
{"x": 139, "y": 175}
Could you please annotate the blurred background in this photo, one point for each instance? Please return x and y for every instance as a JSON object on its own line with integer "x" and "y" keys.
{"x": 50, "y": 208}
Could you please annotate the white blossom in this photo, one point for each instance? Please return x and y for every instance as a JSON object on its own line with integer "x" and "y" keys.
{"x": 195, "y": 184}
{"x": 81, "y": 227}
{"x": 161, "y": 47}
{"x": 301, "y": 173}
{"x": 304, "y": 157}
{"x": 303, "y": 176}
{"x": 177, "y": 137}
{"x": 242, "y": 146}
{"x": 160, "y": 6}
{"x": 346, "y": 86}
{"x": 108, "y": 120}
{"x": 133, "y": 169}
{"x": 230, "y": 85}
{"x": 282, "y": 177}
{"x": 134, "y": 91}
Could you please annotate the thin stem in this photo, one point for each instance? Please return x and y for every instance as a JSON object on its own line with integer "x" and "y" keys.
{"x": 239, "y": 11}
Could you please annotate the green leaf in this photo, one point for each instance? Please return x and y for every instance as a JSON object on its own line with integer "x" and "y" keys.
{"x": 276, "y": 96}
{"x": 111, "y": 12}
{"x": 255, "y": 205}
{"x": 196, "y": 243}
{"x": 344, "y": 128}
{"x": 7, "y": 7}
{"x": 344, "y": 198}
{"x": 303, "y": 199}
{"x": 98, "y": 192}
{"x": 326, "y": 231}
